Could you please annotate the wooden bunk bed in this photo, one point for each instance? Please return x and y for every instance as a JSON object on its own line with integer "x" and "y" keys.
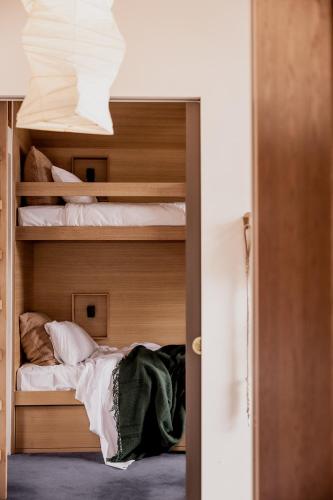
{"x": 142, "y": 269}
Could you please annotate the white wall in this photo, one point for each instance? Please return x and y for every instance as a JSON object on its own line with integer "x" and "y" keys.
{"x": 190, "y": 48}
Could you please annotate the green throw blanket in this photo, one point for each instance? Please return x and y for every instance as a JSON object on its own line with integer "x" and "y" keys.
{"x": 149, "y": 401}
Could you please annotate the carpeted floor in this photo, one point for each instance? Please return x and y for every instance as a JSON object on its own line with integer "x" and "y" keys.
{"x": 84, "y": 476}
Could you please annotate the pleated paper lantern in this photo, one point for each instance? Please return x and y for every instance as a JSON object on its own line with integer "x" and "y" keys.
{"x": 75, "y": 50}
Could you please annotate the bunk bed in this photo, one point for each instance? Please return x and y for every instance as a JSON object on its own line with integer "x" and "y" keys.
{"x": 141, "y": 269}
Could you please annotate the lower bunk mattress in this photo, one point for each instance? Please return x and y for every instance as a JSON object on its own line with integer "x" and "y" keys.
{"x": 62, "y": 377}
{"x": 103, "y": 214}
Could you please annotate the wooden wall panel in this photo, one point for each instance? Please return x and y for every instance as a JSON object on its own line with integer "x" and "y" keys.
{"x": 3, "y": 292}
{"x": 149, "y": 144}
{"x": 22, "y": 257}
{"x": 147, "y": 125}
{"x": 146, "y": 283}
{"x": 21, "y": 145}
{"x": 127, "y": 165}
{"x": 23, "y": 263}
{"x": 293, "y": 139}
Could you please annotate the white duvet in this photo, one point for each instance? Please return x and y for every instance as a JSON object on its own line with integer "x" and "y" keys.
{"x": 103, "y": 214}
{"x": 93, "y": 381}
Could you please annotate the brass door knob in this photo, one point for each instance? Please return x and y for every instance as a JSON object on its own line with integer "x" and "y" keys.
{"x": 196, "y": 346}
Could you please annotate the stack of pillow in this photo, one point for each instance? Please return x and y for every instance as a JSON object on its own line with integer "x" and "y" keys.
{"x": 38, "y": 168}
{"x": 46, "y": 342}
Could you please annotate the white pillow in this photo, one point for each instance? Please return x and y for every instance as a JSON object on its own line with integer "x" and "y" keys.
{"x": 70, "y": 342}
{"x": 61, "y": 175}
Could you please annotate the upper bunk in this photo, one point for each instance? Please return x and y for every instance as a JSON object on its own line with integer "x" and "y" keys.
{"x": 143, "y": 163}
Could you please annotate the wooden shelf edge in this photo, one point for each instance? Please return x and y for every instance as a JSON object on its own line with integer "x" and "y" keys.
{"x": 57, "y": 450}
{"x": 122, "y": 233}
{"x": 112, "y": 189}
{"x": 45, "y": 398}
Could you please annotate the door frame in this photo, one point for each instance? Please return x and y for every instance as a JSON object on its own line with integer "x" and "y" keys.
{"x": 4, "y": 117}
{"x": 193, "y": 292}
{"x": 193, "y": 301}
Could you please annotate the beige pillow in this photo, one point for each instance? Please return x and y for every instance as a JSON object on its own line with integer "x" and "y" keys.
{"x": 35, "y": 341}
{"x": 37, "y": 168}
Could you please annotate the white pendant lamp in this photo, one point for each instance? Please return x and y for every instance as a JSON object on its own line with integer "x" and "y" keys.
{"x": 75, "y": 50}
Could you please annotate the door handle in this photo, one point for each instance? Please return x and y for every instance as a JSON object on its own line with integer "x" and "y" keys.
{"x": 196, "y": 346}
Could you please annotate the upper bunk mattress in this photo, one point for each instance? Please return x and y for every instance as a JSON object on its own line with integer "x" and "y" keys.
{"x": 103, "y": 214}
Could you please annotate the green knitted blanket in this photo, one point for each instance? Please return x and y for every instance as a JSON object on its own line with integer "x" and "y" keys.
{"x": 149, "y": 401}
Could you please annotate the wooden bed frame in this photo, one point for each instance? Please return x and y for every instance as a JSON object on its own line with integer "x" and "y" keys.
{"x": 141, "y": 268}
{"x": 54, "y": 422}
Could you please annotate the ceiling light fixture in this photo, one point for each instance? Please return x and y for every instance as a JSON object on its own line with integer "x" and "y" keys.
{"x": 74, "y": 50}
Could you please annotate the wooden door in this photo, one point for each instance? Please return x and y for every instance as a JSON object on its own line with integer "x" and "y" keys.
{"x": 193, "y": 302}
{"x": 293, "y": 142}
{"x": 3, "y": 248}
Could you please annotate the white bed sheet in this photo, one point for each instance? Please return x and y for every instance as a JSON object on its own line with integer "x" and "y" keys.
{"x": 103, "y": 214}
{"x": 93, "y": 381}
{"x": 48, "y": 378}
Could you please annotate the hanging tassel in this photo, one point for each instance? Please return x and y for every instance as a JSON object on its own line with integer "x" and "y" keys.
{"x": 247, "y": 241}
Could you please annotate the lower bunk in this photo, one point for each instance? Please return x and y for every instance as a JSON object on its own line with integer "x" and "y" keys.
{"x": 132, "y": 399}
{"x": 94, "y": 298}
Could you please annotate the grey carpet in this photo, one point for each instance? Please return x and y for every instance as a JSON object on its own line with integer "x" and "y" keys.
{"x": 67, "y": 476}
